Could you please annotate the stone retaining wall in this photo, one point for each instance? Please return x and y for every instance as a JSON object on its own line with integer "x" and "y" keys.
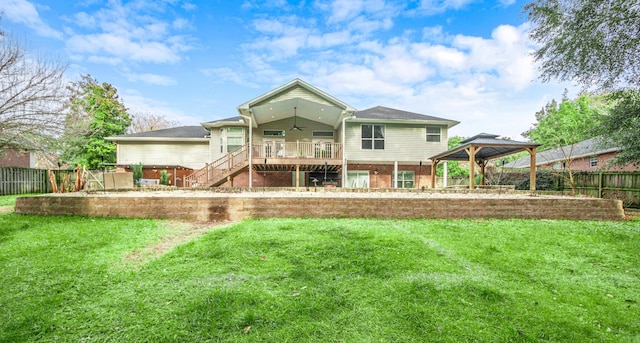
{"x": 205, "y": 209}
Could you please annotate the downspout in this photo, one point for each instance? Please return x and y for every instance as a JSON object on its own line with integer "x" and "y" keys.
{"x": 250, "y": 148}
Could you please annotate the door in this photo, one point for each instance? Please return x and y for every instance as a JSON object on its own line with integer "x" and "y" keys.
{"x": 274, "y": 148}
{"x": 323, "y": 148}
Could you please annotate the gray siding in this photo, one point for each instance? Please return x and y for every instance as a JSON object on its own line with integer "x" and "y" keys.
{"x": 403, "y": 143}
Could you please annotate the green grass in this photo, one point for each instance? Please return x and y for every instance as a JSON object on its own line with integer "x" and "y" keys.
{"x": 10, "y": 200}
{"x": 294, "y": 280}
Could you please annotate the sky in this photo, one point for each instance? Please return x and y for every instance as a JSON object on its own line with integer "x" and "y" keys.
{"x": 197, "y": 61}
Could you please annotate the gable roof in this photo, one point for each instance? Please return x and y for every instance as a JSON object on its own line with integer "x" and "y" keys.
{"x": 590, "y": 147}
{"x": 184, "y": 133}
{"x": 231, "y": 121}
{"x": 490, "y": 147}
{"x": 296, "y": 98}
{"x": 391, "y": 114}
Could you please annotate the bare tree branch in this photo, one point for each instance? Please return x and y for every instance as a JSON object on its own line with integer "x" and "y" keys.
{"x": 32, "y": 98}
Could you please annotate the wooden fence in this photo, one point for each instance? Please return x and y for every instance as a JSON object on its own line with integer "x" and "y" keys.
{"x": 25, "y": 180}
{"x": 624, "y": 186}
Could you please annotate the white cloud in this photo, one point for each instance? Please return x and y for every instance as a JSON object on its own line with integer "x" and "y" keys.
{"x": 24, "y": 12}
{"x": 430, "y": 7}
{"x": 153, "y": 79}
{"x": 128, "y": 32}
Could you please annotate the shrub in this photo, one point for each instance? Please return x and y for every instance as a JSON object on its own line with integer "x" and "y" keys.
{"x": 137, "y": 172}
{"x": 164, "y": 177}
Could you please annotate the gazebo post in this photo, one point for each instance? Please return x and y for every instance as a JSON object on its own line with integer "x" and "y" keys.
{"x": 532, "y": 169}
{"x": 472, "y": 163}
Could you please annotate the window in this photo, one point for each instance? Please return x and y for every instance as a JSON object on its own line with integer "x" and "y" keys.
{"x": 358, "y": 179}
{"x": 235, "y": 130}
{"x": 593, "y": 161}
{"x": 433, "y": 134}
{"x": 234, "y": 138}
{"x": 322, "y": 133}
{"x": 273, "y": 133}
{"x": 372, "y": 137}
{"x": 233, "y": 143}
{"x": 405, "y": 179}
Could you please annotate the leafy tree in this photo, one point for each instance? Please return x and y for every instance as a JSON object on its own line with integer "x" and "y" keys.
{"x": 565, "y": 124}
{"x": 569, "y": 122}
{"x": 597, "y": 44}
{"x": 622, "y": 126}
{"x": 453, "y": 167}
{"x": 594, "y": 42}
{"x": 32, "y": 98}
{"x": 96, "y": 112}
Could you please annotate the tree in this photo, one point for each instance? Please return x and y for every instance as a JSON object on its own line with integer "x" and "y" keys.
{"x": 597, "y": 44}
{"x": 622, "y": 126}
{"x": 593, "y": 42}
{"x": 453, "y": 167}
{"x": 562, "y": 125}
{"x": 32, "y": 98}
{"x": 149, "y": 122}
{"x": 95, "y": 112}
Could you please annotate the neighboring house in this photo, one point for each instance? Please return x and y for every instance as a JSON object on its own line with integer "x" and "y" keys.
{"x": 10, "y": 157}
{"x": 589, "y": 155}
{"x": 298, "y": 136}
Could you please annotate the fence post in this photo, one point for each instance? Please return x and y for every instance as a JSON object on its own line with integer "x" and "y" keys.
{"x": 600, "y": 184}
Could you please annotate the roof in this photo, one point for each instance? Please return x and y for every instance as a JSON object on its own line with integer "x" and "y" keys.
{"x": 390, "y": 114}
{"x": 589, "y": 147}
{"x": 175, "y": 133}
{"x": 490, "y": 146}
{"x": 237, "y": 120}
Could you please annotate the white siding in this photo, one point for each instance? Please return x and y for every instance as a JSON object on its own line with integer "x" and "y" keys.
{"x": 191, "y": 155}
{"x": 403, "y": 143}
{"x": 296, "y": 93}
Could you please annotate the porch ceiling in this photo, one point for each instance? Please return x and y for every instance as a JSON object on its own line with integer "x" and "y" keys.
{"x": 323, "y": 113}
{"x": 262, "y": 167}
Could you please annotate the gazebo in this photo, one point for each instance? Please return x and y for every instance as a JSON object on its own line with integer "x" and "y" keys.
{"x": 481, "y": 148}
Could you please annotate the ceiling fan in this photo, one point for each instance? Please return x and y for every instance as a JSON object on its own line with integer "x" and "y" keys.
{"x": 295, "y": 126}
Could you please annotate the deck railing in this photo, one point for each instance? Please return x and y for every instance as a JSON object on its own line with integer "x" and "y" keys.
{"x": 217, "y": 171}
{"x": 295, "y": 150}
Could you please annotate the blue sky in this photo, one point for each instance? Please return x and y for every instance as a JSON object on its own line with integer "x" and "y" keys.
{"x": 196, "y": 61}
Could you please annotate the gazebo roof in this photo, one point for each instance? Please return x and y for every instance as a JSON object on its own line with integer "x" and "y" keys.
{"x": 487, "y": 146}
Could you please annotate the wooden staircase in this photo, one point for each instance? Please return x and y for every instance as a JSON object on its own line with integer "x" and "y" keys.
{"x": 216, "y": 173}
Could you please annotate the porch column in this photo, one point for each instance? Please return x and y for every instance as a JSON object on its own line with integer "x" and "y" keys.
{"x": 297, "y": 176}
{"x": 395, "y": 174}
{"x": 434, "y": 166}
{"x": 445, "y": 174}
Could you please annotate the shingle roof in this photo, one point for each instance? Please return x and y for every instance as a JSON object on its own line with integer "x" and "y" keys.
{"x": 386, "y": 113}
{"x": 174, "y": 132}
{"x": 492, "y": 147}
{"x": 233, "y": 119}
{"x": 590, "y": 147}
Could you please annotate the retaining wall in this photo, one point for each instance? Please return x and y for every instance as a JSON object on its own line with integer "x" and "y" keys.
{"x": 217, "y": 208}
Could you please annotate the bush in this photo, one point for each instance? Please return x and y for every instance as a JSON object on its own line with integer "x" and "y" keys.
{"x": 137, "y": 173}
{"x": 164, "y": 177}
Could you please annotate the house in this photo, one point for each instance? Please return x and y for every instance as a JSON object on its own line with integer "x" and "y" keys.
{"x": 11, "y": 157}
{"x": 297, "y": 136}
{"x": 589, "y": 155}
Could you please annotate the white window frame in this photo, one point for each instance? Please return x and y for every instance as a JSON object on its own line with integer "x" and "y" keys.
{"x": 360, "y": 176}
{"x": 264, "y": 133}
{"x": 402, "y": 178}
{"x": 373, "y": 138}
{"x": 432, "y": 134}
{"x": 322, "y": 133}
{"x": 593, "y": 161}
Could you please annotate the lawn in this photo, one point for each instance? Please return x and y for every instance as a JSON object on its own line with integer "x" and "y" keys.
{"x": 306, "y": 280}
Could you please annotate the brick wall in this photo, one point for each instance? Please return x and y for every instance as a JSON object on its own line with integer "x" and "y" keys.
{"x": 216, "y": 208}
{"x": 15, "y": 158}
